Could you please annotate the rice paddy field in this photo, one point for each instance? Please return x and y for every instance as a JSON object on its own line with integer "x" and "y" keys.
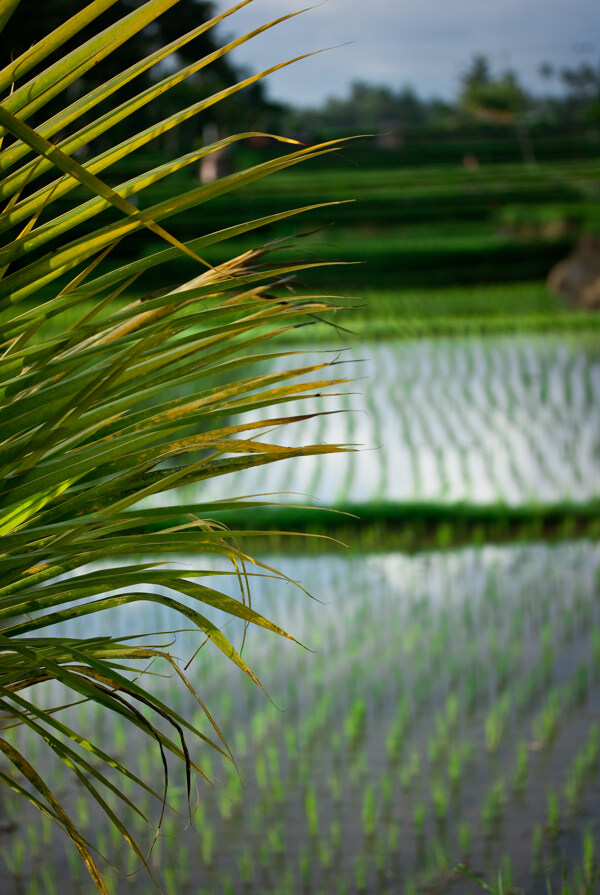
{"x": 438, "y": 730}
{"x": 505, "y": 420}
{"x": 448, "y": 714}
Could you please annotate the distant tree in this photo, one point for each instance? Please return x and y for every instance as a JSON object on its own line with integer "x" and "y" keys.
{"x": 27, "y": 26}
{"x": 579, "y": 102}
{"x": 375, "y": 106}
{"x": 368, "y": 108}
{"x": 497, "y": 99}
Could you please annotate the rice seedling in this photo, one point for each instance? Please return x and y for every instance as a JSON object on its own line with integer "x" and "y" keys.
{"x": 596, "y": 651}
{"x": 207, "y": 844}
{"x": 546, "y": 723}
{"x": 358, "y": 768}
{"x": 546, "y": 637}
{"x": 354, "y": 723}
{"x": 495, "y": 723}
{"x": 472, "y": 685}
{"x": 529, "y": 688}
{"x": 31, "y": 836}
{"x": 419, "y": 819}
{"x": 74, "y": 862}
{"x": 286, "y": 883}
{"x": 172, "y": 881}
{"x": 264, "y": 854}
{"x": 439, "y": 796}
{"x": 325, "y": 855}
{"x": 275, "y": 839}
{"x": 241, "y": 743}
{"x": 410, "y": 769}
{"x": 593, "y": 746}
{"x": 305, "y": 864}
{"x": 522, "y": 767}
{"x": 131, "y": 863}
{"x": 503, "y": 883}
{"x": 537, "y": 845}
{"x": 381, "y": 857}
{"x": 493, "y": 807}
{"x": 336, "y": 786}
{"x": 304, "y": 772}
{"x": 369, "y": 812}
{"x": 580, "y": 686}
{"x": 452, "y": 710}
{"x": 14, "y": 857}
{"x": 589, "y": 854}
{"x": 464, "y": 839}
{"x": 245, "y": 865}
{"x": 441, "y": 729}
{"x": 398, "y": 730}
{"x": 440, "y": 858}
{"x": 360, "y": 873}
{"x": 260, "y": 771}
{"x": 552, "y": 814}
{"x": 576, "y": 886}
{"x": 387, "y": 789}
{"x": 310, "y": 807}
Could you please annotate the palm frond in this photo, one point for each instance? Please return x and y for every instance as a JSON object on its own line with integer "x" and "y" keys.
{"x": 127, "y": 400}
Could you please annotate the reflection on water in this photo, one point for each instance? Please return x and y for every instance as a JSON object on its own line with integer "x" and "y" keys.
{"x": 449, "y": 713}
{"x": 509, "y": 419}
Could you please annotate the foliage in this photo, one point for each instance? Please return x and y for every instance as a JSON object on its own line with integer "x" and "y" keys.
{"x": 497, "y": 99}
{"x": 368, "y": 108}
{"x": 117, "y": 401}
{"x": 25, "y": 27}
{"x": 579, "y": 101}
{"x": 486, "y": 102}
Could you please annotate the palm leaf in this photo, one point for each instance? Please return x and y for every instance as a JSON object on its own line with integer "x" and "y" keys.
{"x": 126, "y": 400}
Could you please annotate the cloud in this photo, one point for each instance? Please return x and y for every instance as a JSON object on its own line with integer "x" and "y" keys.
{"x": 425, "y": 43}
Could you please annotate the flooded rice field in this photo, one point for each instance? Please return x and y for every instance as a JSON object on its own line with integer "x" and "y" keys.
{"x": 513, "y": 420}
{"x": 447, "y": 713}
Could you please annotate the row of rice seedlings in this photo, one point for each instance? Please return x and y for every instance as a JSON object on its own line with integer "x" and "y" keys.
{"x": 430, "y": 797}
{"x": 493, "y": 400}
{"x": 375, "y": 407}
{"x": 584, "y": 762}
{"x": 367, "y": 812}
{"x": 355, "y": 436}
{"x": 521, "y": 429}
{"x": 495, "y": 722}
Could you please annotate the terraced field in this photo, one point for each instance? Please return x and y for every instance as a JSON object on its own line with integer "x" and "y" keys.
{"x": 445, "y": 725}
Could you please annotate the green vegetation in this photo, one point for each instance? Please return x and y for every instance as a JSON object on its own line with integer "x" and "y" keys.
{"x": 118, "y": 404}
{"x": 492, "y": 111}
{"x": 417, "y": 648}
{"x": 447, "y": 712}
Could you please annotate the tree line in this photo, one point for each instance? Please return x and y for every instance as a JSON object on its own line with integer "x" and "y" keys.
{"x": 484, "y": 97}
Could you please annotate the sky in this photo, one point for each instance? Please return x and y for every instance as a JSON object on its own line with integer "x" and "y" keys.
{"x": 424, "y": 43}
